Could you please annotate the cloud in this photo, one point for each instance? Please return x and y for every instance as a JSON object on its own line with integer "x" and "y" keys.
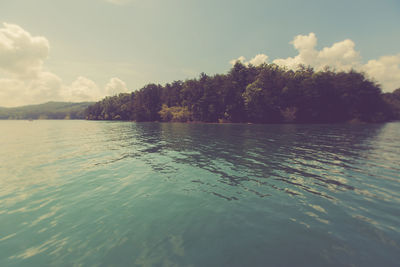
{"x": 241, "y": 59}
{"x": 82, "y": 89}
{"x": 24, "y": 80}
{"x": 116, "y": 86}
{"x": 259, "y": 60}
{"x": 255, "y": 61}
{"x": 44, "y": 87}
{"x": 20, "y": 53}
{"x": 385, "y": 70}
{"x": 341, "y": 56}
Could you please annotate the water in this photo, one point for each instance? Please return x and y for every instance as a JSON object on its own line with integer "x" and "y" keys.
{"x": 85, "y": 193}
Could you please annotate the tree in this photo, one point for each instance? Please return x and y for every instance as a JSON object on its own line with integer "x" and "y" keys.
{"x": 147, "y": 103}
{"x": 263, "y": 94}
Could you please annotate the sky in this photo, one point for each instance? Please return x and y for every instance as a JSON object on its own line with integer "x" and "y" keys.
{"x": 84, "y": 50}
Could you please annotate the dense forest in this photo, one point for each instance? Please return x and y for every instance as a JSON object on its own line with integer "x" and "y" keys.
{"x": 262, "y": 94}
{"x": 50, "y": 110}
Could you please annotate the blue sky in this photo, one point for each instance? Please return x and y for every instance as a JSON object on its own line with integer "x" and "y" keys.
{"x": 119, "y": 45}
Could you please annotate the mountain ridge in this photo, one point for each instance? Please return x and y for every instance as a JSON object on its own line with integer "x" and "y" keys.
{"x": 47, "y": 110}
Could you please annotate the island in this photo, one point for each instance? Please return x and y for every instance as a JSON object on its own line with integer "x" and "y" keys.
{"x": 264, "y": 94}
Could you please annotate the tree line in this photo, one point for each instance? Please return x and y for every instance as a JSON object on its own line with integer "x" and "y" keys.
{"x": 49, "y": 110}
{"x": 263, "y": 94}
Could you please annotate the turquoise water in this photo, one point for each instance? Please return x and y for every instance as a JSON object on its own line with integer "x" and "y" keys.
{"x": 85, "y": 193}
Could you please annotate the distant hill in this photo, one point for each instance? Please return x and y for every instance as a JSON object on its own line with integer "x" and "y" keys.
{"x": 49, "y": 110}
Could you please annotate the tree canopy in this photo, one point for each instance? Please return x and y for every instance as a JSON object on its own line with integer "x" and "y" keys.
{"x": 264, "y": 94}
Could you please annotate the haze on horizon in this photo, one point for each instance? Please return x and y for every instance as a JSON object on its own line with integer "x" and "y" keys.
{"x": 85, "y": 50}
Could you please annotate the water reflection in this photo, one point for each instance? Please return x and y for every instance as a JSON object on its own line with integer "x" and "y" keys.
{"x": 311, "y": 158}
{"x": 318, "y": 159}
{"x": 119, "y": 193}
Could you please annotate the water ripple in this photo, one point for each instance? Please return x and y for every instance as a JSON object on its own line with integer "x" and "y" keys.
{"x": 113, "y": 193}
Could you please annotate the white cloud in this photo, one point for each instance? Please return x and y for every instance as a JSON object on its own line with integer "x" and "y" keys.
{"x": 304, "y": 42}
{"x": 340, "y": 56}
{"x": 23, "y": 79}
{"x": 241, "y": 59}
{"x": 47, "y": 85}
{"x": 82, "y": 89}
{"x": 10, "y": 92}
{"x": 385, "y": 70}
{"x": 20, "y": 53}
{"x": 116, "y": 86}
{"x": 16, "y": 92}
{"x": 255, "y": 61}
{"x": 259, "y": 60}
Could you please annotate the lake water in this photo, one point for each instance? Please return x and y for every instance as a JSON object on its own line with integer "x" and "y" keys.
{"x": 86, "y": 193}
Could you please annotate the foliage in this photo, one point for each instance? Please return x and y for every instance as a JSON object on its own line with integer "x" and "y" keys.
{"x": 393, "y": 103}
{"x": 262, "y": 94}
{"x": 175, "y": 114}
{"x": 112, "y": 108}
